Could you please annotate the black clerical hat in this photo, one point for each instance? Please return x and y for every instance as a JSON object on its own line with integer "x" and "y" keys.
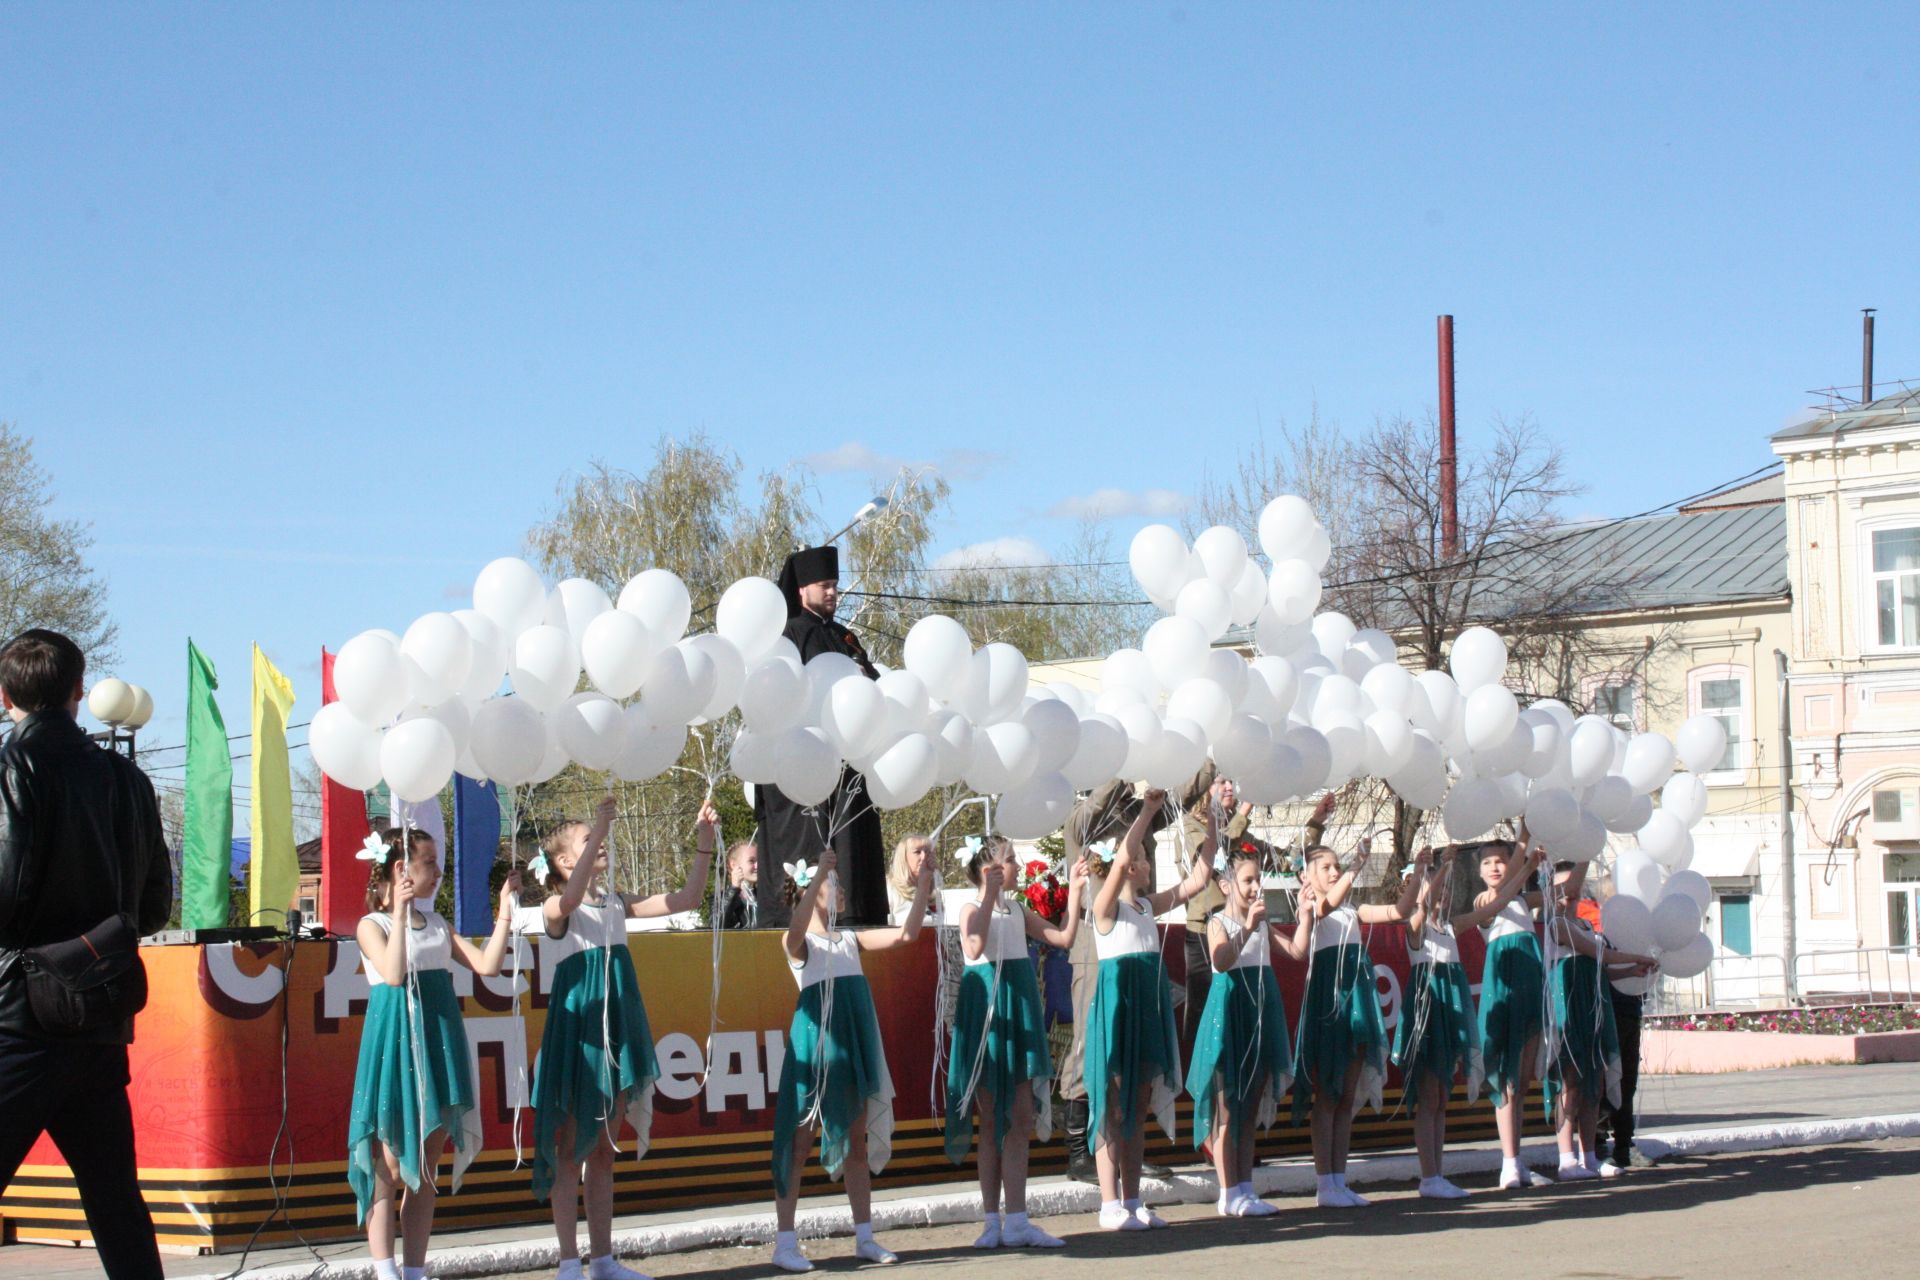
{"x": 808, "y": 565}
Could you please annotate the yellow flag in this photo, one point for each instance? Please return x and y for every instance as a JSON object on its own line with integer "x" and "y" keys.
{"x": 274, "y": 876}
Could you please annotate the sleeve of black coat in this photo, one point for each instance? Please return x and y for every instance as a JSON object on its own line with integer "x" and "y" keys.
{"x": 156, "y": 887}
{"x": 16, "y": 845}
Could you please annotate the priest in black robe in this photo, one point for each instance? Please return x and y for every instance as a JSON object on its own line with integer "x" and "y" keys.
{"x": 810, "y": 580}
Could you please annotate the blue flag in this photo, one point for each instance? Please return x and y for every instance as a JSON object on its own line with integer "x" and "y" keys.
{"x": 476, "y": 845}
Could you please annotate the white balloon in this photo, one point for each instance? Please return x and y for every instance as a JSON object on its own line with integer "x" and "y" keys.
{"x": 1636, "y": 984}
{"x": 1627, "y": 924}
{"x": 510, "y": 594}
{"x": 1286, "y": 524}
{"x": 1443, "y": 696}
{"x": 1003, "y": 757}
{"x": 553, "y": 758}
{"x": 1346, "y": 743}
{"x": 1546, "y": 746}
{"x": 1177, "y": 648}
{"x": 1244, "y": 748}
{"x": 996, "y": 682}
{"x": 1336, "y": 695}
{"x": 1203, "y": 702}
{"x": 1661, "y": 837}
{"x": 1056, "y": 734}
{"x": 1478, "y": 657}
{"x": 346, "y": 748}
{"x": 1648, "y": 763}
{"x": 1274, "y": 635}
{"x": 680, "y": 681}
{"x": 1637, "y": 875}
{"x": 1293, "y": 591}
{"x": 1376, "y": 644}
{"x": 489, "y": 655}
{"x": 1682, "y": 857}
{"x": 545, "y": 666}
{"x": 1471, "y": 809}
{"x": 952, "y": 738}
{"x": 751, "y": 615}
{"x": 1318, "y": 549}
{"x": 938, "y": 651}
{"x": 1281, "y": 681}
{"x": 1689, "y": 961}
{"x": 1249, "y": 594}
{"x": 416, "y": 758}
{"x": 616, "y": 650}
{"x": 903, "y": 773}
{"x": 773, "y": 696}
{"x": 1332, "y": 633}
{"x": 754, "y": 757}
{"x": 729, "y": 674}
{"x": 370, "y": 676}
{"x": 1128, "y": 669}
{"x": 1100, "y": 753}
{"x": 508, "y": 738}
{"x": 651, "y": 749}
{"x": 854, "y": 716}
{"x": 574, "y": 604}
{"x": 1590, "y": 753}
{"x": 1610, "y": 799}
{"x": 1553, "y": 815}
{"x": 440, "y": 654}
{"x": 809, "y": 767}
{"x": 1206, "y": 602}
{"x": 1685, "y": 797}
{"x": 907, "y": 701}
{"x": 593, "y": 729}
{"x": 1489, "y": 717}
{"x": 1692, "y": 886}
{"x": 1507, "y": 756}
{"x": 1701, "y": 742}
{"x": 1158, "y": 557}
{"x": 1316, "y": 758}
{"x": 1588, "y": 843}
{"x": 1035, "y": 808}
{"x": 1228, "y": 669}
{"x": 1632, "y": 816}
{"x": 1389, "y": 743}
{"x": 659, "y": 599}
{"x": 452, "y": 713}
{"x": 1223, "y": 554}
{"x": 1390, "y": 686}
{"x": 1176, "y": 755}
{"x": 1676, "y": 922}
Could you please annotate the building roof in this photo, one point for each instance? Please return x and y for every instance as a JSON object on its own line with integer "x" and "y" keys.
{"x": 1902, "y": 408}
{"x": 1753, "y": 493}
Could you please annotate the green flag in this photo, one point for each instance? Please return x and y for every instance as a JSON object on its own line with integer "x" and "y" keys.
{"x": 206, "y": 851}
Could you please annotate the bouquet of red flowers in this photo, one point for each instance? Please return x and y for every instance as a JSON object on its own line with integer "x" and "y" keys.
{"x": 1040, "y": 884}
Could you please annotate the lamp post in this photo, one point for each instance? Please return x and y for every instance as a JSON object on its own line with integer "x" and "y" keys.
{"x": 875, "y": 505}
{"x": 124, "y": 708}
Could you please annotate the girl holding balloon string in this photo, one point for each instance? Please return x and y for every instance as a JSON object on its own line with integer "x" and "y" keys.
{"x": 835, "y": 1079}
{"x": 413, "y": 1085}
{"x": 1586, "y": 1064}
{"x": 1241, "y": 1060}
{"x": 1132, "y": 1052}
{"x": 1000, "y": 1057}
{"x": 597, "y": 1064}
{"x": 1340, "y": 1054}
{"x": 1513, "y": 981}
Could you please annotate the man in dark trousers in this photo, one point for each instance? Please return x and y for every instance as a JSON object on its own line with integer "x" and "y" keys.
{"x": 80, "y": 842}
{"x": 810, "y": 580}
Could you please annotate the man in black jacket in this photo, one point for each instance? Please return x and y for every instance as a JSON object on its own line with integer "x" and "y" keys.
{"x": 80, "y": 841}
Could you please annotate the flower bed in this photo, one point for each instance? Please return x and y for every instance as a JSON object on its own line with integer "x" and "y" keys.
{"x": 1837, "y": 1020}
{"x": 1714, "y": 1042}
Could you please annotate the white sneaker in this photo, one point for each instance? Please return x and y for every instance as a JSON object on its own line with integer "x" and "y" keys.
{"x": 990, "y": 1238}
{"x": 570, "y": 1269}
{"x": 1148, "y": 1218}
{"x": 1332, "y": 1198}
{"x": 791, "y": 1259}
{"x": 874, "y": 1251}
{"x": 1228, "y": 1205}
{"x": 1029, "y": 1237}
{"x": 1576, "y": 1173}
{"x": 1255, "y": 1207}
{"x": 1608, "y": 1169}
{"x": 1438, "y": 1188}
{"x": 1119, "y": 1218}
{"x": 1534, "y": 1177}
{"x": 610, "y": 1268}
{"x": 1354, "y": 1198}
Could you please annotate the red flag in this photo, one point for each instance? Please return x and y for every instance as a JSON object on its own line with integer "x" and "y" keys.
{"x": 343, "y": 831}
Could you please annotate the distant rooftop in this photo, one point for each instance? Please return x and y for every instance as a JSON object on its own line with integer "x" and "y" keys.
{"x": 1753, "y": 493}
{"x": 1900, "y": 408}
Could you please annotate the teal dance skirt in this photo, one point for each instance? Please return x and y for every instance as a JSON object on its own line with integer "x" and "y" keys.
{"x": 844, "y": 1065}
{"x": 1341, "y": 1022}
{"x": 1130, "y": 1043}
{"x": 415, "y": 1077}
{"x": 1240, "y": 1051}
{"x": 581, "y": 1072}
{"x": 1438, "y": 1035}
{"x": 1586, "y": 1042}
{"x": 1015, "y": 1056}
{"x": 1512, "y": 987}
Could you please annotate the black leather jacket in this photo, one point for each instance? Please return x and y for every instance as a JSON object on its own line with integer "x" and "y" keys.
{"x": 80, "y": 840}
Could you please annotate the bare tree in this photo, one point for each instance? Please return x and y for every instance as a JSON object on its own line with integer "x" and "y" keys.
{"x": 44, "y": 577}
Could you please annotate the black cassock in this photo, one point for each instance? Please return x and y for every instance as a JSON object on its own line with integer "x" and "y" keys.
{"x": 790, "y": 832}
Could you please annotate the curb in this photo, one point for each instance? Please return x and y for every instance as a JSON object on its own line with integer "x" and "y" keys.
{"x": 1053, "y": 1199}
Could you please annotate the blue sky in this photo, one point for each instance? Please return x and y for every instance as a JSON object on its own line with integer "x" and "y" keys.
{"x": 308, "y": 309}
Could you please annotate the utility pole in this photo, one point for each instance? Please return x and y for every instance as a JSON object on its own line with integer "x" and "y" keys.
{"x": 1789, "y": 935}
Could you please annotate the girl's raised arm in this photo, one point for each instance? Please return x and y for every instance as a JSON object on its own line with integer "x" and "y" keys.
{"x": 559, "y": 906}
{"x": 1062, "y": 936}
{"x": 688, "y": 895}
{"x": 909, "y": 928}
{"x": 1409, "y": 894}
{"x": 487, "y": 963}
{"x": 795, "y": 939}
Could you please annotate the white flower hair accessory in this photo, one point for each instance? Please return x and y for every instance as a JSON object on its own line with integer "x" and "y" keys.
{"x": 1104, "y": 850}
{"x": 538, "y": 867}
{"x": 375, "y": 850}
{"x": 801, "y": 872}
{"x": 974, "y": 845}
{"x": 1219, "y": 862}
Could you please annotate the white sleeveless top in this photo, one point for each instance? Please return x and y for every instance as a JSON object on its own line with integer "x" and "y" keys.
{"x": 429, "y": 945}
{"x": 838, "y": 957}
{"x": 1439, "y": 946}
{"x": 1515, "y": 917}
{"x": 1337, "y": 928}
{"x": 1006, "y": 937}
{"x": 1133, "y": 933}
{"x": 590, "y": 928}
{"x": 1255, "y": 944}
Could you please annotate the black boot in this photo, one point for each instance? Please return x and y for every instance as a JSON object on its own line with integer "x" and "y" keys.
{"x": 1080, "y": 1165}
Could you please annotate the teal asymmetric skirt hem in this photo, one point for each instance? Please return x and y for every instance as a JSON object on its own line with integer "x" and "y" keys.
{"x": 1340, "y": 1023}
{"x": 1438, "y": 1036}
{"x": 1513, "y": 987}
{"x": 999, "y": 1048}
{"x": 1240, "y": 1052}
{"x": 415, "y": 1076}
{"x": 596, "y": 1051}
{"x": 835, "y": 1060}
{"x": 1586, "y": 1041}
{"x": 1130, "y": 1044}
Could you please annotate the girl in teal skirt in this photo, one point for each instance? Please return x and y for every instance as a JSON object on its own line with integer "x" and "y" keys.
{"x": 1586, "y": 1059}
{"x": 1241, "y": 1061}
{"x": 596, "y": 1066}
{"x": 1340, "y": 1050}
{"x": 1132, "y": 1054}
{"x": 413, "y": 1087}
{"x": 1513, "y": 983}
{"x": 1000, "y": 1057}
{"x": 835, "y": 1079}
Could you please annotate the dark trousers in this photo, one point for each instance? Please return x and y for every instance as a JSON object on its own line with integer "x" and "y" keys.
{"x": 77, "y": 1095}
{"x": 1626, "y": 1018}
{"x": 1199, "y": 984}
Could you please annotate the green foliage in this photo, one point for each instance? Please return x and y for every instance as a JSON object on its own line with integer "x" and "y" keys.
{"x": 44, "y": 577}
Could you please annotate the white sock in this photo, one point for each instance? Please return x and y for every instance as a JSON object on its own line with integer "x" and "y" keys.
{"x": 1326, "y": 1182}
{"x": 1510, "y": 1171}
{"x": 1016, "y": 1220}
{"x": 862, "y": 1232}
{"x": 569, "y": 1269}
{"x": 1590, "y": 1161}
{"x": 384, "y": 1269}
{"x": 1568, "y": 1160}
{"x": 786, "y": 1240}
{"x": 992, "y": 1219}
{"x": 413, "y": 1273}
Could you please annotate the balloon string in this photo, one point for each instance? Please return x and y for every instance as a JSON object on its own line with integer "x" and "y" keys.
{"x": 519, "y": 1014}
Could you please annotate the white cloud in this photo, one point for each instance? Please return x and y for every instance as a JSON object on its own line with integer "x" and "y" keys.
{"x": 860, "y": 459}
{"x": 1108, "y": 504}
{"x": 996, "y": 551}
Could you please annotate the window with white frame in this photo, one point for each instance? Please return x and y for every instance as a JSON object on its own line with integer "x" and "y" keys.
{"x": 1894, "y": 584}
{"x": 1613, "y": 701}
{"x": 1720, "y": 691}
